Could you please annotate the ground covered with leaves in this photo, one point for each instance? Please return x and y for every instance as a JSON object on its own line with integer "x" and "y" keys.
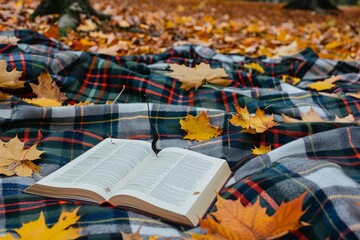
{"x": 151, "y": 27}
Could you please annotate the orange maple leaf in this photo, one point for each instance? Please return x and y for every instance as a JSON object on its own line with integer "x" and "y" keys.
{"x": 199, "y": 127}
{"x": 236, "y": 221}
{"x": 252, "y": 124}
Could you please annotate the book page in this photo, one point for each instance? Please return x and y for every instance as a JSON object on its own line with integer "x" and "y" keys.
{"x": 174, "y": 180}
{"x": 103, "y": 167}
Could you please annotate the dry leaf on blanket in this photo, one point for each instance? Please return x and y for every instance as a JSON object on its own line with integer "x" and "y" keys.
{"x": 355, "y": 95}
{"x": 9, "y": 80}
{"x": 199, "y": 128}
{"x": 254, "y": 66}
{"x": 261, "y": 150}
{"x": 9, "y": 40}
{"x": 198, "y": 76}
{"x": 236, "y": 221}
{"x": 49, "y": 94}
{"x": 4, "y": 96}
{"x": 291, "y": 80}
{"x": 14, "y": 159}
{"x": 313, "y": 116}
{"x": 39, "y": 230}
{"x": 326, "y": 84}
{"x": 252, "y": 124}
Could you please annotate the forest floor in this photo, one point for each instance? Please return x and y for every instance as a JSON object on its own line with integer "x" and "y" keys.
{"x": 233, "y": 27}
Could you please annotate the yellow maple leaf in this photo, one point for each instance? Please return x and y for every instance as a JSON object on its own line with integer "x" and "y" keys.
{"x": 9, "y": 80}
{"x": 49, "y": 94}
{"x": 14, "y": 159}
{"x": 291, "y": 80}
{"x": 261, "y": 150}
{"x": 325, "y": 84}
{"x": 198, "y": 76}
{"x": 199, "y": 128}
{"x": 39, "y": 230}
{"x": 254, "y": 66}
{"x": 236, "y": 221}
{"x": 252, "y": 124}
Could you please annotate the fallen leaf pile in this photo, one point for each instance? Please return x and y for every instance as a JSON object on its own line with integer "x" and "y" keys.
{"x": 236, "y": 221}
{"x": 38, "y": 229}
{"x": 15, "y": 160}
{"x": 240, "y": 27}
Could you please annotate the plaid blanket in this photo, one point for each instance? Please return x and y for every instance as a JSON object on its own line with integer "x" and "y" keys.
{"x": 322, "y": 158}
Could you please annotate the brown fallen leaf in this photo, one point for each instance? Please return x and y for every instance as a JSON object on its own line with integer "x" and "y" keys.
{"x": 9, "y": 40}
{"x": 49, "y": 94}
{"x": 236, "y": 221}
{"x": 132, "y": 236}
{"x": 199, "y": 128}
{"x": 355, "y": 95}
{"x": 313, "y": 116}
{"x": 39, "y": 230}
{"x": 198, "y": 76}
{"x": 348, "y": 119}
{"x": 4, "y": 96}
{"x": 261, "y": 150}
{"x": 252, "y": 124}
{"x": 14, "y": 159}
{"x": 9, "y": 80}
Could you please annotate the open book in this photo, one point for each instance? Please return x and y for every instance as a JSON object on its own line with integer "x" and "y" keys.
{"x": 178, "y": 185}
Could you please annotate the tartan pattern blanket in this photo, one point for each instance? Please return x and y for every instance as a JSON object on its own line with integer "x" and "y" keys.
{"x": 321, "y": 158}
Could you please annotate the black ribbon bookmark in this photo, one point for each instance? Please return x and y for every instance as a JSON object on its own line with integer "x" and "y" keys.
{"x": 155, "y": 134}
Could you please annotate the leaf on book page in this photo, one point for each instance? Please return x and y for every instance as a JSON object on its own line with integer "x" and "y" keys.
{"x": 236, "y": 221}
{"x": 48, "y": 92}
{"x": 38, "y": 229}
{"x": 14, "y": 159}
{"x": 261, "y": 150}
{"x": 327, "y": 84}
{"x": 252, "y": 124}
{"x": 10, "y": 80}
{"x": 254, "y": 66}
{"x": 198, "y": 76}
{"x": 199, "y": 128}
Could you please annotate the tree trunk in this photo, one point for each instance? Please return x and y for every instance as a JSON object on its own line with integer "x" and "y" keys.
{"x": 314, "y": 5}
{"x": 69, "y": 10}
